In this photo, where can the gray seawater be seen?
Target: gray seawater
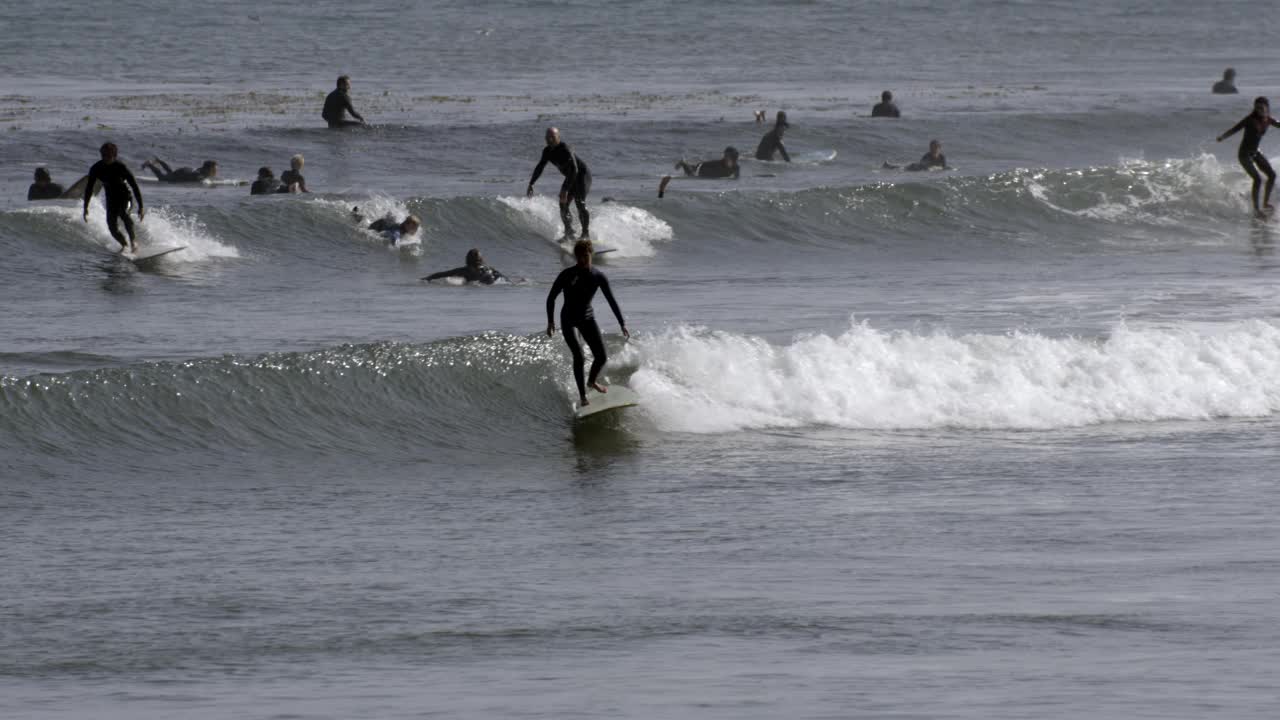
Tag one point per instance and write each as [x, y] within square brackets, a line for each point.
[997, 442]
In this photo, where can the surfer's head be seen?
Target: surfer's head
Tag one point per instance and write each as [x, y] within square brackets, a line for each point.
[1229, 74]
[42, 176]
[553, 136]
[582, 252]
[264, 173]
[344, 82]
[410, 225]
[935, 147]
[731, 156]
[109, 151]
[781, 119]
[296, 162]
[209, 168]
[1261, 106]
[474, 259]
[886, 96]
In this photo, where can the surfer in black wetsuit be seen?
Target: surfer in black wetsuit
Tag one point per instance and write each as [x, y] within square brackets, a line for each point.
[44, 188]
[579, 284]
[885, 108]
[116, 182]
[1255, 125]
[576, 185]
[266, 184]
[726, 167]
[339, 102]
[164, 173]
[475, 271]
[932, 159]
[1227, 85]
[771, 143]
[292, 178]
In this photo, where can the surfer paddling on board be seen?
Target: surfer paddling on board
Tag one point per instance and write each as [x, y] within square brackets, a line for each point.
[476, 270]
[726, 167]
[1255, 125]
[337, 103]
[164, 173]
[116, 181]
[579, 284]
[771, 143]
[576, 185]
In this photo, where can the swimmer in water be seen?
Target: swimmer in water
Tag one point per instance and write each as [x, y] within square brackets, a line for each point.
[393, 234]
[44, 188]
[1255, 125]
[1227, 85]
[116, 182]
[579, 284]
[885, 108]
[475, 271]
[164, 173]
[338, 103]
[771, 144]
[576, 185]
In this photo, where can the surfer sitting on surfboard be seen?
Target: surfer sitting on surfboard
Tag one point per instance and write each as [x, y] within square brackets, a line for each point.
[338, 103]
[164, 173]
[116, 181]
[576, 185]
[44, 188]
[771, 144]
[1255, 125]
[474, 271]
[579, 284]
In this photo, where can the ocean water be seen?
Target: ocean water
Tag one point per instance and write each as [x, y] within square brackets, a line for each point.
[994, 442]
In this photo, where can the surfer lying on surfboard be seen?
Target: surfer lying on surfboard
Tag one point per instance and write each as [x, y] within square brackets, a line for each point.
[475, 271]
[579, 284]
[207, 171]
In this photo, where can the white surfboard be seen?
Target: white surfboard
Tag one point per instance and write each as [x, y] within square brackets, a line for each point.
[617, 398]
[142, 259]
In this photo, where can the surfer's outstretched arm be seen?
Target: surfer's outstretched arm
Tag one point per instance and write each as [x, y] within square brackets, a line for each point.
[556, 287]
[88, 193]
[537, 170]
[613, 304]
[1238, 127]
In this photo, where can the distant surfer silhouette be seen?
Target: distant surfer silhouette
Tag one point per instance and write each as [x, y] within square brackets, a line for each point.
[579, 284]
[885, 108]
[1227, 85]
[771, 144]
[338, 104]
[43, 187]
[1255, 125]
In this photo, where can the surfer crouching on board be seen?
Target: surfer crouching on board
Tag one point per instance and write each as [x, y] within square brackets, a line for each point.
[576, 185]
[579, 284]
[208, 170]
[116, 181]
[1255, 125]
[337, 103]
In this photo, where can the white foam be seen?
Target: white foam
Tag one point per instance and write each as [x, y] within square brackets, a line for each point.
[162, 228]
[631, 231]
[374, 208]
[694, 380]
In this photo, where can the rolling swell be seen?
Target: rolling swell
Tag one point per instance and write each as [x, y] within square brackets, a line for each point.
[361, 399]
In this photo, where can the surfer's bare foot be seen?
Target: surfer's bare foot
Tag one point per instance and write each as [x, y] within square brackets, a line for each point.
[584, 401]
[599, 388]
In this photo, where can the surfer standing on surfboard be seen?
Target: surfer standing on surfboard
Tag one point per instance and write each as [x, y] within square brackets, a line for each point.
[579, 284]
[1255, 125]
[576, 185]
[116, 181]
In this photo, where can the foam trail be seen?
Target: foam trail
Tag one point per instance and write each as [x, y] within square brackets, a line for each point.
[163, 227]
[631, 231]
[703, 381]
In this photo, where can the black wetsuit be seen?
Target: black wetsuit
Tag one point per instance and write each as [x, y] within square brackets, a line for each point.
[482, 274]
[1224, 87]
[710, 169]
[266, 186]
[579, 286]
[770, 145]
[48, 191]
[577, 183]
[290, 177]
[116, 182]
[927, 162]
[1254, 128]
[181, 175]
[885, 109]
[335, 105]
